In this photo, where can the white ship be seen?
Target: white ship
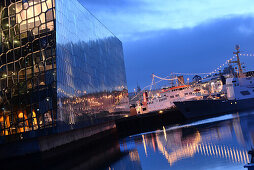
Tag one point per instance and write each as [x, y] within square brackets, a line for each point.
[163, 99]
[166, 98]
[239, 96]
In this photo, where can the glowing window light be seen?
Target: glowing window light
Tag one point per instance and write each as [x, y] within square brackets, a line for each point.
[20, 115]
[34, 119]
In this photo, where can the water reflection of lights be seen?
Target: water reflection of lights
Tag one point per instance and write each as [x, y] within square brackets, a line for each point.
[165, 134]
[207, 149]
[144, 143]
[185, 151]
[134, 156]
[235, 155]
[206, 142]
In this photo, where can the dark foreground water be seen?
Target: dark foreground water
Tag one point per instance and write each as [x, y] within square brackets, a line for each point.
[218, 143]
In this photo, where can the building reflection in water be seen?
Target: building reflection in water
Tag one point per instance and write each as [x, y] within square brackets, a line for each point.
[225, 141]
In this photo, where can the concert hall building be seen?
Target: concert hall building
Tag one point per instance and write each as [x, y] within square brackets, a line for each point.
[60, 69]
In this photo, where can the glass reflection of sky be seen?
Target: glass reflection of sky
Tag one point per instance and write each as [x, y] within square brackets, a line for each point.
[91, 79]
[222, 143]
[78, 27]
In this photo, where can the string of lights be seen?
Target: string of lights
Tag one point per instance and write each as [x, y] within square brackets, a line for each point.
[215, 71]
[189, 74]
[154, 83]
[218, 69]
[247, 55]
[207, 74]
[224, 64]
[164, 78]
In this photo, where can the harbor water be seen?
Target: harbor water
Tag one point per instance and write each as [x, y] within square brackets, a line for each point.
[217, 143]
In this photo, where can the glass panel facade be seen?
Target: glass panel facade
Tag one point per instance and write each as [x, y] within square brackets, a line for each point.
[91, 79]
[27, 66]
[60, 68]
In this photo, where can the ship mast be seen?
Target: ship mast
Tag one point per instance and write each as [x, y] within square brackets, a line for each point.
[240, 70]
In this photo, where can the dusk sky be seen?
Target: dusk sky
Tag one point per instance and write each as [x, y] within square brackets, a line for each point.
[187, 36]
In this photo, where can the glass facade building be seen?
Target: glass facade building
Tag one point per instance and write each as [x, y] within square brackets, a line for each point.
[60, 68]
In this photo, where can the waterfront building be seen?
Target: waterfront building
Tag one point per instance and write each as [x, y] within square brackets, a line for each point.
[60, 69]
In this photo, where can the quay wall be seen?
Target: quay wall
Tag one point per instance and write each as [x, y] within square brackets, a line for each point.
[46, 143]
[121, 128]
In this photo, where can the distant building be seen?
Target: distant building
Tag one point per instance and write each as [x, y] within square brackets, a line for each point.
[60, 68]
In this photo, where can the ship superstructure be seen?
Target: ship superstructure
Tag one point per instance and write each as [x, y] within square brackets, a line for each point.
[162, 99]
[239, 96]
[166, 98]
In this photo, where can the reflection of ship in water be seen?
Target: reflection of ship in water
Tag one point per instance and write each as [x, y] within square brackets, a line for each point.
[225, 140]
[183, 150]
[244, 129]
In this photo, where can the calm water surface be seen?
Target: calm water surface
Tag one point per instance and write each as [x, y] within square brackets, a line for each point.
[218, 143]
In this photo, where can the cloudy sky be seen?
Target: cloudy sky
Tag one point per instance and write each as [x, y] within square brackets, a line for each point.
[187, 36]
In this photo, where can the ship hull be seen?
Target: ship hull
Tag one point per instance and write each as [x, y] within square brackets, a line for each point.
[205, 108]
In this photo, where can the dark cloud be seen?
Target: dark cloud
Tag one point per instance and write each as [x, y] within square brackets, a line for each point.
[200, 49]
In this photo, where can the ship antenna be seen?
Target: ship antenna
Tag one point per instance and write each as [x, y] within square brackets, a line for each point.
[240, 70]
[153, 84]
